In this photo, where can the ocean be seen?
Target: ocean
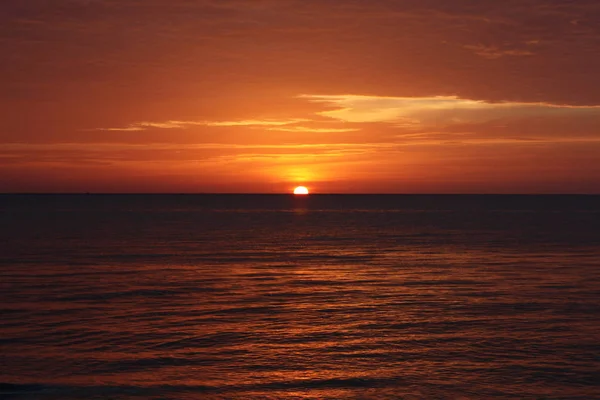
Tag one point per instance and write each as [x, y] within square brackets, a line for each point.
[283, 297]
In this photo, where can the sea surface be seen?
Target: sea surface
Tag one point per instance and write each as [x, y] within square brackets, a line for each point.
[283, 297]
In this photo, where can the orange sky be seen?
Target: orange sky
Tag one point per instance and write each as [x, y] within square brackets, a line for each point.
[356, 96]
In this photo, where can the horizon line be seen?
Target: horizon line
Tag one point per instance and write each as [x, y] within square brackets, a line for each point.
[286, 194]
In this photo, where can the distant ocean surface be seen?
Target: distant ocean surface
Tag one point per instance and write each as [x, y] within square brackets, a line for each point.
[283, 297]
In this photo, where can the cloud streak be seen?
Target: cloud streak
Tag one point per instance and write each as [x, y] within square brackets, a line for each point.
[74, 146]
[313, 130]
[419, 112]
[495, 52]
[142, 126]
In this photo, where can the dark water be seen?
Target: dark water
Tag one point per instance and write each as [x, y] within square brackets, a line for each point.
[276, 297]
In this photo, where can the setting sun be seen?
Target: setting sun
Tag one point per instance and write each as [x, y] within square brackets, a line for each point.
[301, 190]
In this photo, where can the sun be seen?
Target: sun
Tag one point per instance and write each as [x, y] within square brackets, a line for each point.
[301, 190]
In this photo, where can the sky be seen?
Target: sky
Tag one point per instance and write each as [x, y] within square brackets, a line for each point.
[260, 96]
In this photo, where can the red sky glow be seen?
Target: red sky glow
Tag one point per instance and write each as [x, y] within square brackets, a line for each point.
[249, 96]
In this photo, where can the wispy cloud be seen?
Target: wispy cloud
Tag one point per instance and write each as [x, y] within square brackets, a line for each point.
[418, 112]
[313, 130]
[178, 153]
[99, 147]
[494, 52]
[257, 122]
[131, 128]
[141, 126]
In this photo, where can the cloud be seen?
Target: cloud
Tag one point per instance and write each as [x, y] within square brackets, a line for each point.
[494, 52]
[419, 112]
[253, 122]
[110, 147]
[313, 130]
[151, 154]
[132, 128]
[141, 126]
